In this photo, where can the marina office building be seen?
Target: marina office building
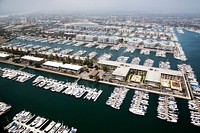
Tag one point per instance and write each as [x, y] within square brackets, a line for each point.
[159, 79]
[63, 67]
[29, 59]
[4, 56]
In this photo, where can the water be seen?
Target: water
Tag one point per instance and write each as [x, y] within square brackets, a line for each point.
[97, 117]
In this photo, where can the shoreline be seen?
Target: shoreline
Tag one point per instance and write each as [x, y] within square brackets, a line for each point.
[92, 80]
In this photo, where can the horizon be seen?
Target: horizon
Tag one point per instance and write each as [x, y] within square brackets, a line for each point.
[142, 6]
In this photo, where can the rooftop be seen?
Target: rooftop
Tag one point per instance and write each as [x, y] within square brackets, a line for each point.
[121, 71]
[61, 65]
[71, 66]
[153, 75]
[52, 64]
[32, 58]
[4, 55]
[151, 70]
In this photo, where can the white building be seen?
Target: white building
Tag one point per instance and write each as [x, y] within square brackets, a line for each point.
[28, 58]
[90, 38]
[4, 56]
[102, 39]
[71, 68]
[121, 72]
[80, 37]
[149, 43]
[113, 40]
[63, 67]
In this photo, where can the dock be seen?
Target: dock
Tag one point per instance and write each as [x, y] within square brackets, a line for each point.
[78, 79]
[20, 69]
[17, 124]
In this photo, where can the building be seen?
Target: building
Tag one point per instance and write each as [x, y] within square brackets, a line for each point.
[151, 76]
[80, 37]
[52, 65]
[4, 56]
[90, 38]
[58, 66]
[102, 39]
[121, 73]
[113, 40]
[31, 59]
[71, 68]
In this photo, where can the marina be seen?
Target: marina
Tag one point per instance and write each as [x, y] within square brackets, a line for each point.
[135, 61]
[129, 49]
[117, 97]
[4, 107]
[161, 53]
[145, 52]
[45, 103]
[164, 65]
[148, 62]
[122, 59]
[16, 75]
[92, 55]
[67, 88]
[105, 57]
[139, 103]
[167, 109]
[116, 48]
[25, 122]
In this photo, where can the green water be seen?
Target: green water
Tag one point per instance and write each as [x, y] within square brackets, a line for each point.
[97, 117]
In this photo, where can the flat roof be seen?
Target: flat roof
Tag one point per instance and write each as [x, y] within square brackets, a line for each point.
[32, 58]
[136, 78]
[61, 65]
[71, 66]
[153, 75]
[121, 71]
[52, 64]
[165, 82]
[176, 85]
[4, 55]
[140, 67]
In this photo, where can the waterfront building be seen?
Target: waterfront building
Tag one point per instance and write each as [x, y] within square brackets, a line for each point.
[121, 72]
[90, 38]
[102, 39]
[31, 59]
[80, 37]
[63, 67]
[113, 40]
[150, 76]
[4, 56]
[52, 65]
[71, 68]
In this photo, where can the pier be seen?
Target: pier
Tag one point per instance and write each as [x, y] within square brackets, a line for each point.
[78, 79]
[20, 69]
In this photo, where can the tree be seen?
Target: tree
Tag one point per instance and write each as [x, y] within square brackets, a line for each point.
[96, 67]
[90, 76]
[110, 79]
[105, 68]
[97, 78]
[37, 64]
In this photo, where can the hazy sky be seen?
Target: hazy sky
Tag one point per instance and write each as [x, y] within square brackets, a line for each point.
[172, 6]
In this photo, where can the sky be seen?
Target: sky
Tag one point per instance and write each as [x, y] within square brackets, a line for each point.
[166, 6]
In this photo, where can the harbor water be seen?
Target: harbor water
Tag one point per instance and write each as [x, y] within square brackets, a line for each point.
[97, 117]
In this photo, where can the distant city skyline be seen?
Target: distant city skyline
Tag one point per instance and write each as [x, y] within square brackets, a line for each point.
[163, 6]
